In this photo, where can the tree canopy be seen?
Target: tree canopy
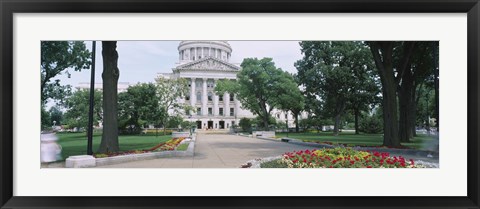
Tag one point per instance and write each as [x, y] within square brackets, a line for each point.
[58, 57]
[337, 75]
[138, 106]
[76, 106]
[261, 86]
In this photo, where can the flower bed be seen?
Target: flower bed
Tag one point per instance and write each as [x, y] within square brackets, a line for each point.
[341, 157]
[166, 146]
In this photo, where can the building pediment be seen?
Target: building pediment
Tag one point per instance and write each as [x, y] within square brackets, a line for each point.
[208, 63]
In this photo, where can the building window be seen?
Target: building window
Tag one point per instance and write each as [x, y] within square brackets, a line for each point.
[199, 111]
[220, 98]
[278, 116]
[210, 96]
[189, 83]
[210, 84]
[199, 96]
[198, 84]
[210, 111]
[220, 111]
[231, 97]
[232, 112]
[187, 98]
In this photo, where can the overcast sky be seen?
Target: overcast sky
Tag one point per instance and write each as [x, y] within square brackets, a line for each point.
[140, 61]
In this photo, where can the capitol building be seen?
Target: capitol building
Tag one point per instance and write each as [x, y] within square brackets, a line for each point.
[203, 64]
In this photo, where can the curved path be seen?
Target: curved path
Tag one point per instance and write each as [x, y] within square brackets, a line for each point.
[219, 151]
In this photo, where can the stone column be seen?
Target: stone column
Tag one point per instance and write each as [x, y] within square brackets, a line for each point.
[237, 108]
[204, 97]
[193, 95]
[226, 102]
[215, 99]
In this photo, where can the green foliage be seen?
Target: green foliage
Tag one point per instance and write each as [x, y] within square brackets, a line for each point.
[168, 91]
[77, 108]
[137, 107]
[58, 57]
[258, 122]
[274, 164]
[371, 124]
[56, 115]
[260, 87]
[46, 120]
[245, 124]
[337, 76]
[174, 121]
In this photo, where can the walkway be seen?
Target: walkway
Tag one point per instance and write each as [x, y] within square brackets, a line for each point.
[218, 151]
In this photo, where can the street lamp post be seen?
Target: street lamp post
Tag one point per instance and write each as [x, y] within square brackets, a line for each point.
[286, 117]
[90, 111]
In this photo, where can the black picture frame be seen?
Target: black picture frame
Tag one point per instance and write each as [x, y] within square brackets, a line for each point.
[10, 7]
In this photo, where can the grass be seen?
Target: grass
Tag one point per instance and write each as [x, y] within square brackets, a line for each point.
[274, 164]
[351, 138]
[76, 143]
[183, 147]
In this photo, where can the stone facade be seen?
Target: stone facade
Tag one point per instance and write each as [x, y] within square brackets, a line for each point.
[203, 64]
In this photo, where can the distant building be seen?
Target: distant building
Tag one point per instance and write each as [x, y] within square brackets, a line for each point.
[121, 87]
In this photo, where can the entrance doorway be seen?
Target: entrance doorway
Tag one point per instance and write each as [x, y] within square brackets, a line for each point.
[210, 124]
[221, 124]
[199, 124]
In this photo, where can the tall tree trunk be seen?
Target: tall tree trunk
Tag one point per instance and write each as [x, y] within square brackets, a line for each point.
[357, 114]
[265, 121]
[390, 119]
[382, 52]
[297, 128]
[337, 124]
[110, 76]
[405, 101]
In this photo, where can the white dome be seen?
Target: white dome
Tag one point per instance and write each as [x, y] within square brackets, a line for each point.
[195, 50]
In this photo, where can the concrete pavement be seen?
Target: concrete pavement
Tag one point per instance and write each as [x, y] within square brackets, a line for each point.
[218, 151]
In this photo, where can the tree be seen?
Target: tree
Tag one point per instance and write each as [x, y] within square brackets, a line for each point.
[337, 75]
[420, 68]
[260, 87]
[391, 72]
[290, 98]
[76, 106]
[169, 90]
[57, 57]
[110, 77]
[245, 124]
[138, 106]
[56, 115]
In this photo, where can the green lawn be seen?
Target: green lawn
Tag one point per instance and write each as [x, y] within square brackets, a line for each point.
[76, 143]
[183, 147]
[351, 138]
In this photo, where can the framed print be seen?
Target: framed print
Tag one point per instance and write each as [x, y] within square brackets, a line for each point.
[266, 104]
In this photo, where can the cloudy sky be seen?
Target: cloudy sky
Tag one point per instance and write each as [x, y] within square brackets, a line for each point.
[140, 61]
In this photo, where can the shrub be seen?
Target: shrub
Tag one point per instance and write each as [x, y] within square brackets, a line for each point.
[245, 124]
[371, 124]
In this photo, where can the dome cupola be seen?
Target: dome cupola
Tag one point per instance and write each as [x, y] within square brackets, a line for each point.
[194, 50]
